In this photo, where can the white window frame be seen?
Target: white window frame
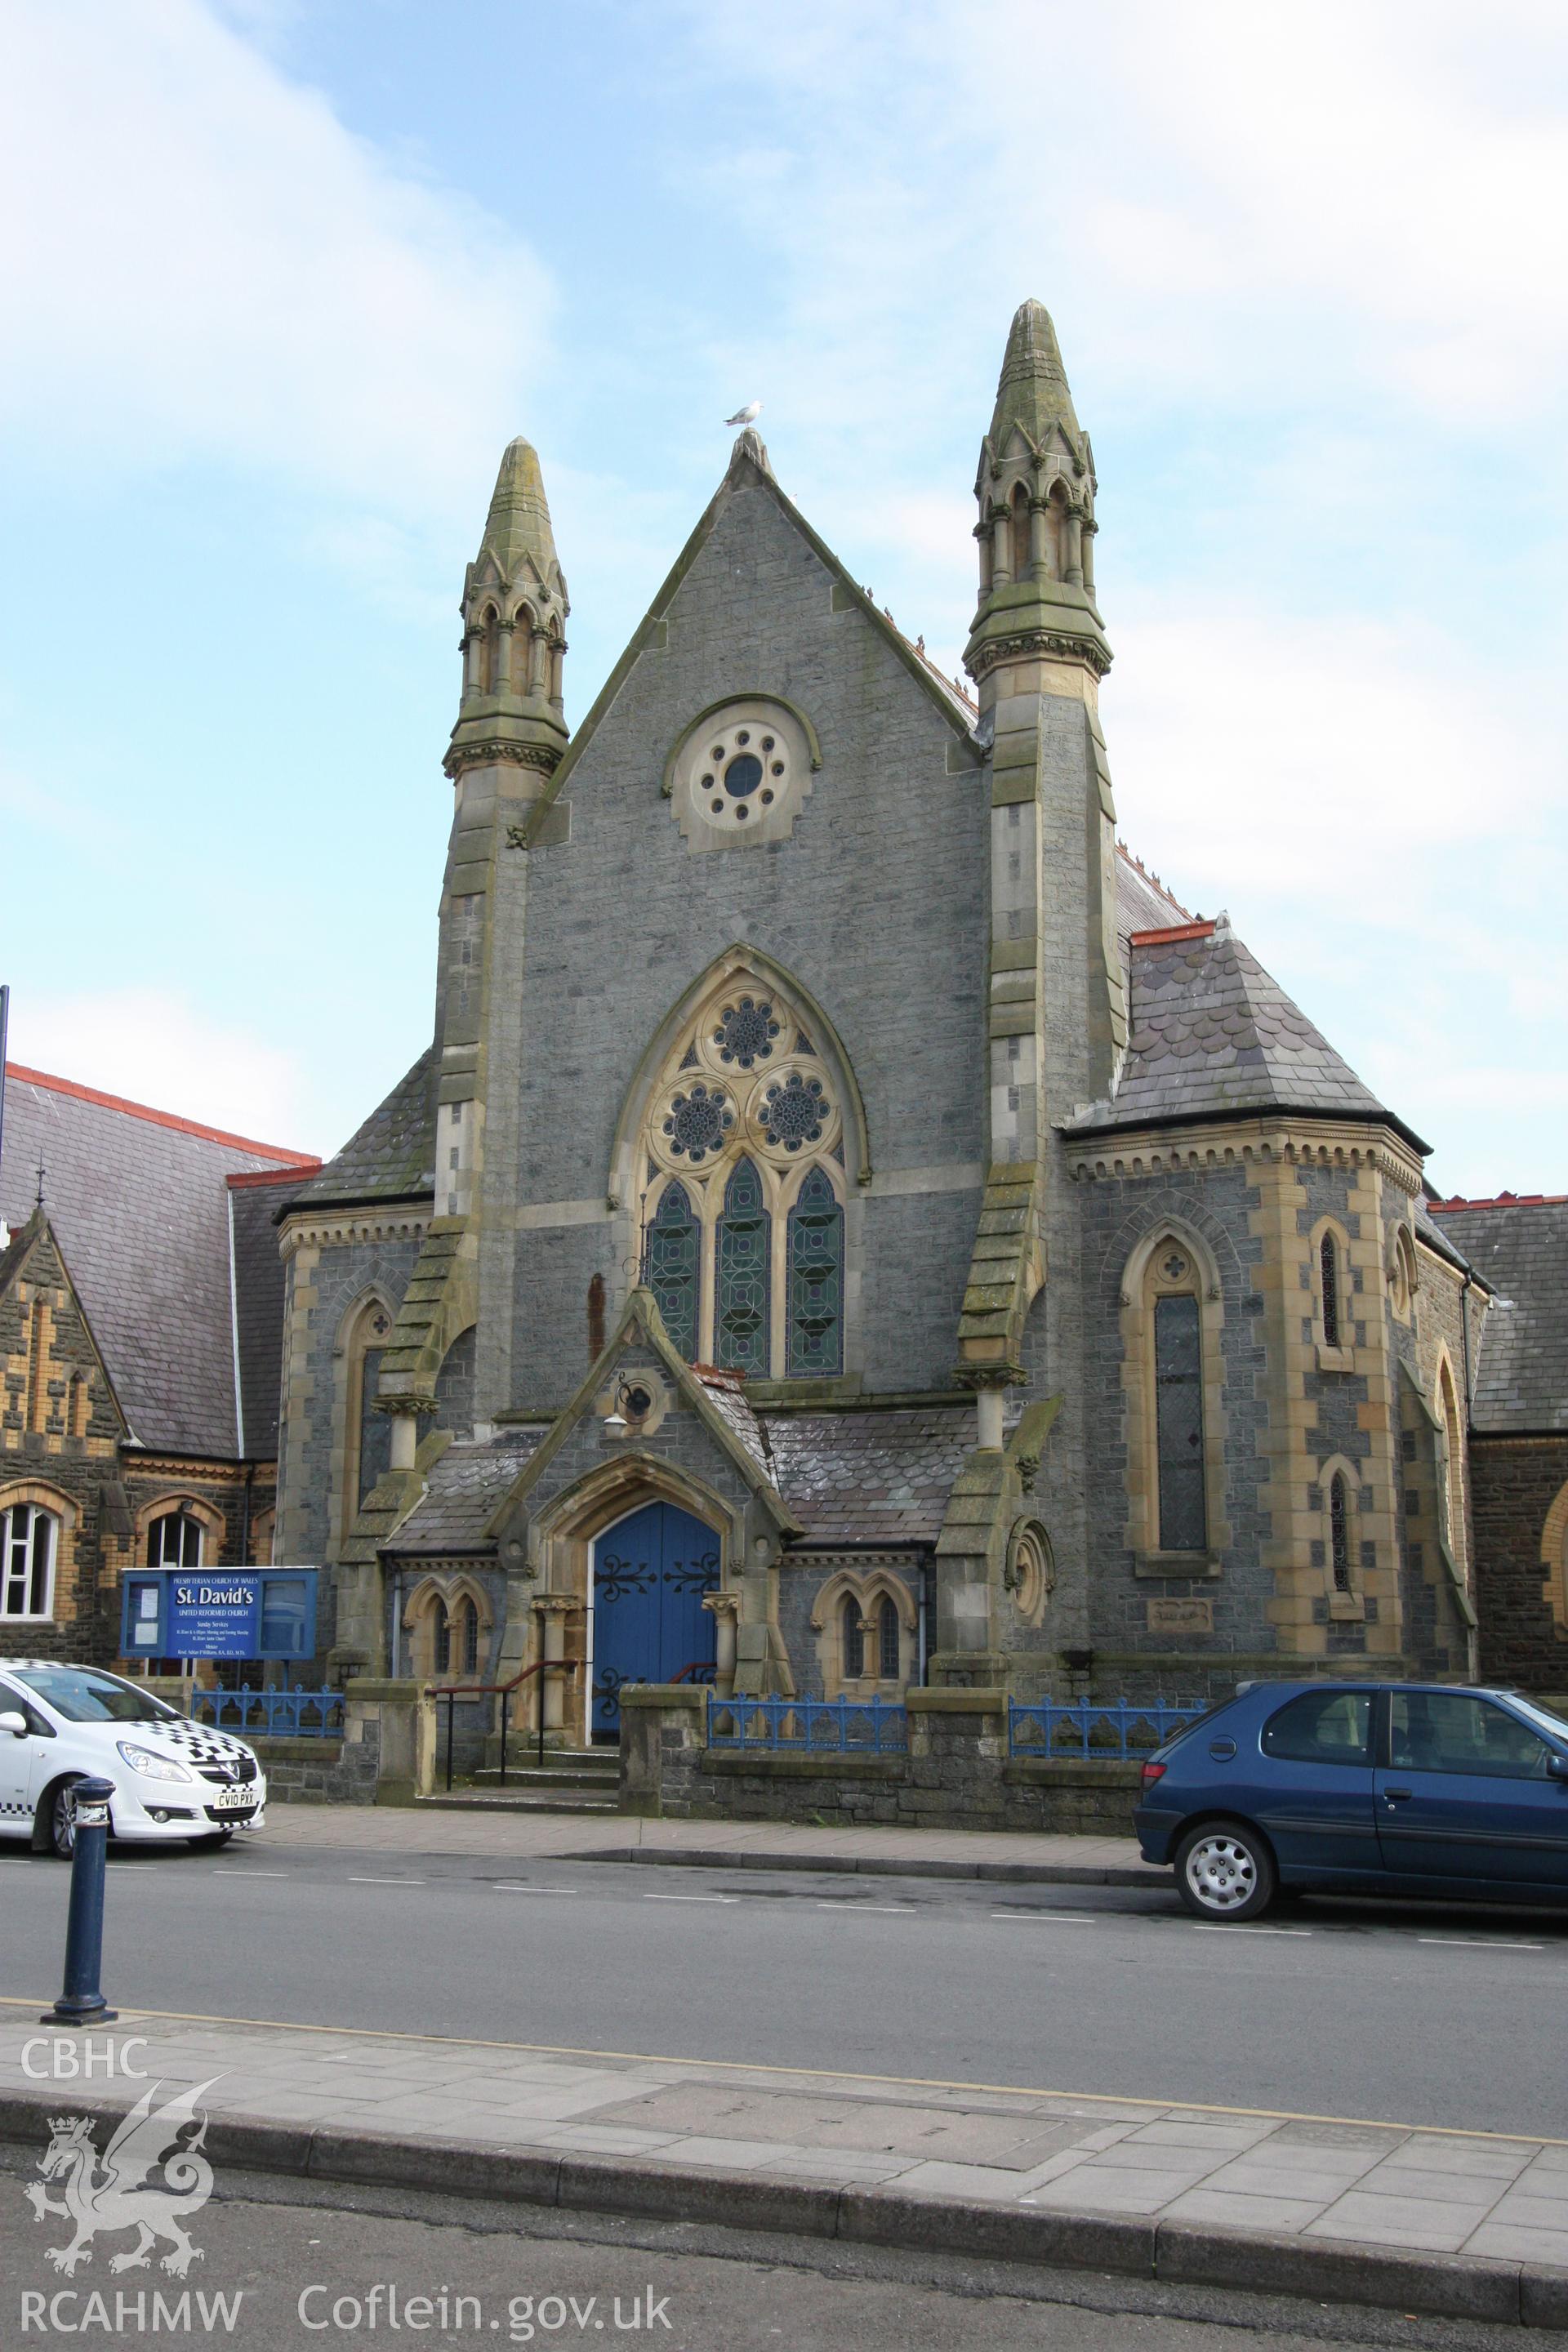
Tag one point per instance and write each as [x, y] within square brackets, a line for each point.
[11, 1577]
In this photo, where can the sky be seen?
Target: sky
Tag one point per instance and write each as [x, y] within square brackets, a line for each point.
[279, 278]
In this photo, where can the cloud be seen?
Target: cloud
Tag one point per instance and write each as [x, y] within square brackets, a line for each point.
[201, 262]
[154, 1045]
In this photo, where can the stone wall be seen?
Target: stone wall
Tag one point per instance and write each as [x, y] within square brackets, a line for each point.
[1514, 1481]
[318, 1772]
[955, 1774]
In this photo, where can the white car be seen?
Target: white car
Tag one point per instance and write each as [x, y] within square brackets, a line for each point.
[173, 1779]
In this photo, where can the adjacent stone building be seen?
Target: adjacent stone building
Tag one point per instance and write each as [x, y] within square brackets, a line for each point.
[851, 1227]
[141, 1304]
[1517, 1247]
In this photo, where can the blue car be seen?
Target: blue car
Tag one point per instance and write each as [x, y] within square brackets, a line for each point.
[1361, 1789]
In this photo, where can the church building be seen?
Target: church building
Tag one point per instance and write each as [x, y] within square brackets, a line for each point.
[850, 1226]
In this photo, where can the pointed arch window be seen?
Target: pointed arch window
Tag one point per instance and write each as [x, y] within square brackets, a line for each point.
[441, 1638]
[1340, 1532]
[854, 1651]
[815, 1279]
[744, 1271]
[673, 1261]
[740, 1168]
[1328, 1285]
[888, 1640]
[469, 1637]
[1179, 1423]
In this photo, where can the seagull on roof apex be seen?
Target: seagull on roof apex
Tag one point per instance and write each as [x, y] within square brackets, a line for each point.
[747, 416]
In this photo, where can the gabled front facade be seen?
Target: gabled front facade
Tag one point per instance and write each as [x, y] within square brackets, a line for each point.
[851, 1225]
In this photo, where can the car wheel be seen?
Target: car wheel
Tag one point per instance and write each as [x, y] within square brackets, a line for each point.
[57, 1818]
[1225, 1870]
[213, 1843]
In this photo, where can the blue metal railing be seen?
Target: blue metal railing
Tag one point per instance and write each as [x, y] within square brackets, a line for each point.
[298, 1713]
[818, 1726]
[1090, 1727]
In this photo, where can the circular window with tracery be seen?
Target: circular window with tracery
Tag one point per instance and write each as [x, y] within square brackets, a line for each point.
[740, 773]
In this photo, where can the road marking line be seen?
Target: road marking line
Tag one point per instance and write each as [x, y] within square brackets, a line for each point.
[42, 2001]
[1234, 1927]
[385, 1882]
[1482, 1942]
[691, 1898]
[514, 1886]
[227, 1870]
[824, 1904]
[1053, 1918]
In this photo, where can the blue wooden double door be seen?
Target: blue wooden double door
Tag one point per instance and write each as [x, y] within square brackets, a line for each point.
[650, 1572]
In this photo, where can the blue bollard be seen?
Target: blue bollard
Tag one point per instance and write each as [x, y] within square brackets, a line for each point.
[81, 2001]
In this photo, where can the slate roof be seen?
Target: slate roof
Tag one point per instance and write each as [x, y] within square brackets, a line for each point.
[728, 1397]
[1213, 1034]
[461, 1491]
[1520, 1247]
[258, 1306]
[870, 1477]
[138, 1203]
[393, 1156]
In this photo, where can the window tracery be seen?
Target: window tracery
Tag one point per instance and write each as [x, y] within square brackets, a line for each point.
[743, 1208]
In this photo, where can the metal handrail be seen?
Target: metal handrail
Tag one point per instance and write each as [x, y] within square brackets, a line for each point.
[697, 1666]
[453, 1692]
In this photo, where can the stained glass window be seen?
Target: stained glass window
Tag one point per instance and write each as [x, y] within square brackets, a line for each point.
[671, 1274]
[1328, 1263]
[815, 1279]
[441, 1627]
[743, 1269]
[888, 1640]
[854, 1640]
[1340, 1532]
[1179, 1424]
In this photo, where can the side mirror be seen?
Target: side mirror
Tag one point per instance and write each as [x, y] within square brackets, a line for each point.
[1556, 1766]
[17, 1725]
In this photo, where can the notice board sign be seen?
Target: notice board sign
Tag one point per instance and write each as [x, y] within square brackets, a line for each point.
[214, 1616]
[219, 1612]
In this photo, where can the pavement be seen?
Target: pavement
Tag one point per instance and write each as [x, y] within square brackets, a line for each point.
[1468, 2224]
[487, 1829]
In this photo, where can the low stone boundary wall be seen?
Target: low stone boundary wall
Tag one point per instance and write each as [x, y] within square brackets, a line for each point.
[956, 1773]
[385, 1752]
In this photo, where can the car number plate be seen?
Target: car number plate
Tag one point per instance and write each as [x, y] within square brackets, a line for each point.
[234, 1800]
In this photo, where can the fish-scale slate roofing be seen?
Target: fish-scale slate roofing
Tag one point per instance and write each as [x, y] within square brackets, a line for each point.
[461, 1490]
[139, 1205]
[870, 1477]
[1519, 1248]
[1212, 1034]
[393, 1156]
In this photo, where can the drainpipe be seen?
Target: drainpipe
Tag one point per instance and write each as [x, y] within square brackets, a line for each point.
[927, 1597]
[1465, 1337]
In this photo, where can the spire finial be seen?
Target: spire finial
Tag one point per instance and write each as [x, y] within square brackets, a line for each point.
[517, 527]
[1032, 390]
[39, 1202]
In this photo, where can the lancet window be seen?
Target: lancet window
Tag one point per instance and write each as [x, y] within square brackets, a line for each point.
[742, 1184]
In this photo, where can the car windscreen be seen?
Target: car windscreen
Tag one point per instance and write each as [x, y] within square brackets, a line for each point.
[1543, 1718]
[83, 1695]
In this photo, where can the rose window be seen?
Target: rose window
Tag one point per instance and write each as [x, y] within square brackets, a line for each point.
[745, 1033]
[697, 1123]
[793, 1112]
[742, 773]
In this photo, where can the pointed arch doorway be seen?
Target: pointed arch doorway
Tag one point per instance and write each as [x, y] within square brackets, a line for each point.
[650, 1571]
